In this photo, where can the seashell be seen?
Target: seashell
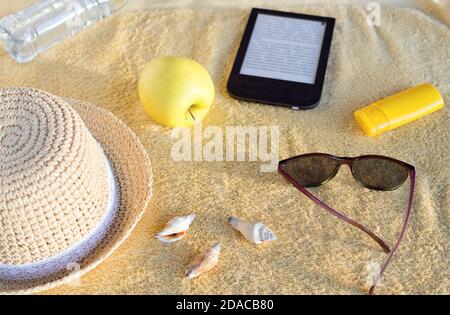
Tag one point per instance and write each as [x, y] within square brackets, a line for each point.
[255, 232]
[175, 229]
[203, 262]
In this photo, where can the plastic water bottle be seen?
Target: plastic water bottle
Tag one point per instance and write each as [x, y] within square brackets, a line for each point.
[29, 32]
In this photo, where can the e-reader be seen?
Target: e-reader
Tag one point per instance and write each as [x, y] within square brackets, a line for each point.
[282, 59]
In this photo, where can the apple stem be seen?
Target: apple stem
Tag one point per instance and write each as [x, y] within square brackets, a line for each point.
[191, 114]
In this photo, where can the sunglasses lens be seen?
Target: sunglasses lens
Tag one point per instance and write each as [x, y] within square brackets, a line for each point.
[311, 171]
[379, 173]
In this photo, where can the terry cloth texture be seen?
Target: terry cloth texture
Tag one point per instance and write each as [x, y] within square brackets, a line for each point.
[315, 252]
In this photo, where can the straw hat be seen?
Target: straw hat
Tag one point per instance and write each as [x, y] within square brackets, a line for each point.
[74, 181]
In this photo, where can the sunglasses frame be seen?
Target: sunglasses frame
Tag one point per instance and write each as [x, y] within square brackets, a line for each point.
[349, 161]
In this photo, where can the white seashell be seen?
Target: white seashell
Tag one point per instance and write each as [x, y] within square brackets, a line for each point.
[255, 232]
[203, 262]
[175, 229]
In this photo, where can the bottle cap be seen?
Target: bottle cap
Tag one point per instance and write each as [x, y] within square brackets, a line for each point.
[372, 120]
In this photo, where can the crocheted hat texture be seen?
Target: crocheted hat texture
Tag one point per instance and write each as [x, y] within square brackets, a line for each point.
[53, 176]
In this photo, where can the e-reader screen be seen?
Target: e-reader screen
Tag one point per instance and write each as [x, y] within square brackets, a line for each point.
[284, 48]
[282, 59]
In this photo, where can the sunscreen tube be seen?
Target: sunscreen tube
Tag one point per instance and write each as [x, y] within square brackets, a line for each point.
[399, 109]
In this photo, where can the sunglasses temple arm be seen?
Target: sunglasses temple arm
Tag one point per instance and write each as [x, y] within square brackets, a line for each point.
[412, 176]
[343, 217]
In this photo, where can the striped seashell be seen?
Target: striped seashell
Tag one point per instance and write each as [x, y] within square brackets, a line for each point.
[255, 232]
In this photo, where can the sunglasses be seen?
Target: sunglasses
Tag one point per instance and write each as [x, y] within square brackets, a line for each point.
[370, 171]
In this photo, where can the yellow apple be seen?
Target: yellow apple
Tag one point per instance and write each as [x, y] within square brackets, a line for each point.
[176, 91]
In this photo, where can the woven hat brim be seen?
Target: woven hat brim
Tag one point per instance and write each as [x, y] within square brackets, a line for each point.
[133, 175]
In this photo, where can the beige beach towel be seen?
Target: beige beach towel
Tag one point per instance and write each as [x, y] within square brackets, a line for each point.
[315, 253]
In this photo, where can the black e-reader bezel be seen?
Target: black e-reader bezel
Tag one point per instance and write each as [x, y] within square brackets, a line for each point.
[274, 91]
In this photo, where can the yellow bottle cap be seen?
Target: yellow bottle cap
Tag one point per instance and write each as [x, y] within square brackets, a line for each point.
[372, 120]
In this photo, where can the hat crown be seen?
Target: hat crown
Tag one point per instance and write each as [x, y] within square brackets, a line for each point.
[53, 175]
